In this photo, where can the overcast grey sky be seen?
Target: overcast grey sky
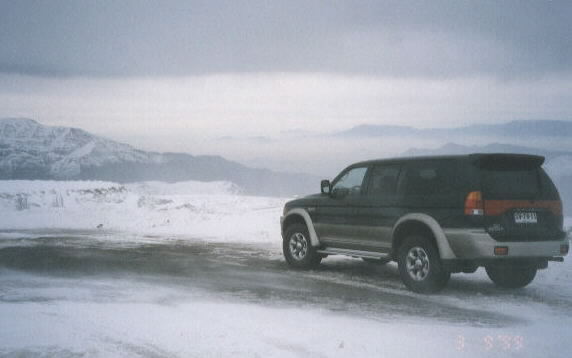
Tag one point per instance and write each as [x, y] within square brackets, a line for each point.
[393, 38]
[178, 75]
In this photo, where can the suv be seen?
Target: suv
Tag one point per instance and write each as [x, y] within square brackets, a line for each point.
[434, 216]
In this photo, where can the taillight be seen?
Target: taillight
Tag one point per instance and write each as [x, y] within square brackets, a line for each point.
[501, 250]
[474, 203]
[499, 207]
[557, 207]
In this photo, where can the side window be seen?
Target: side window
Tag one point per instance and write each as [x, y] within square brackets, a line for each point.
[431, 181]
[351, 181]
[383, 182]
[422, 181]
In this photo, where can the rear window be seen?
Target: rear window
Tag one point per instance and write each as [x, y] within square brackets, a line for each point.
[518, 184]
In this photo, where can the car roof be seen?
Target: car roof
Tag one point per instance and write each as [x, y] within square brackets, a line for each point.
[473, 157]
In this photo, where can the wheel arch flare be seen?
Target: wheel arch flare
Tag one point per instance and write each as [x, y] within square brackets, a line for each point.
[302, 216]
[419, 223]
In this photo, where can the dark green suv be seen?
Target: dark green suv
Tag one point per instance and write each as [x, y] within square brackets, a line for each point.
[434, 216]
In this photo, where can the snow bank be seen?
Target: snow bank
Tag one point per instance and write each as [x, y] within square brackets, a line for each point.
[214, 210]
[186, 188]
[39, 186]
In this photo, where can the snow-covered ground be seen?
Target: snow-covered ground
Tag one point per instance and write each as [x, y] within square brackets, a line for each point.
[73, 318]
[206, 210]
[56, 312]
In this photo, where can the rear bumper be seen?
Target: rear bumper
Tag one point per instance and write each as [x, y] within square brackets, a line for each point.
[476, 244]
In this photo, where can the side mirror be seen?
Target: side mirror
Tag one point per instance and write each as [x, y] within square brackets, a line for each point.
[326, 187]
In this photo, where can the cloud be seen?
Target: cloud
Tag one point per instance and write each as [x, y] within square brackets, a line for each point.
[176, 114]
[444, 39]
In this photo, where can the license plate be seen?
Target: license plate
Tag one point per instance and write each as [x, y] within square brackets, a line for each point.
[525, 218]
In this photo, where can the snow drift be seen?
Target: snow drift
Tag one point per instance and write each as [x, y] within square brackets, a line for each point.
[206, 210]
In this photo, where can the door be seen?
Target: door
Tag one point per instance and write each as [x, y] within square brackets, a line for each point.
[337, 216]
[380, 209]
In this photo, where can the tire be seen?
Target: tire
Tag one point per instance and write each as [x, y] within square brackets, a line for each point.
[376, 261]
[297, 248]
[506, 276]
[420, 266]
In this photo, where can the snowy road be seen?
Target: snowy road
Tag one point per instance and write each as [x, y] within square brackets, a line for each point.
[78, 293]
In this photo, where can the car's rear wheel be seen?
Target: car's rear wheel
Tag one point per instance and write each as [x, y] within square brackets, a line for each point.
[420, 265]
[298, 249]
[506, 276]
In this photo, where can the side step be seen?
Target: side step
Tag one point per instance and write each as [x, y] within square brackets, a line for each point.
[353, 253]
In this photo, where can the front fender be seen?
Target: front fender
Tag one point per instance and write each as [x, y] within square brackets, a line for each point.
[309, 224]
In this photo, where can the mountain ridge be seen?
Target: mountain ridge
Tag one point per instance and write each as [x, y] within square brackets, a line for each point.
[30, 150]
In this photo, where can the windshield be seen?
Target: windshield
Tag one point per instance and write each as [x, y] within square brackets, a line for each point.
[351, 180]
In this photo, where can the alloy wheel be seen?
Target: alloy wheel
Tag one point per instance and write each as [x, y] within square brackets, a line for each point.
[417, 263]
[298, 246]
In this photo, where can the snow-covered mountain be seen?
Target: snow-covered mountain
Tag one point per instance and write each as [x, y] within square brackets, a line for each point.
[30, 150]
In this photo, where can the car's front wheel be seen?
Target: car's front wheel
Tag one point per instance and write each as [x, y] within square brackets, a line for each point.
[420, 265]
[298, 249]
[506, 276]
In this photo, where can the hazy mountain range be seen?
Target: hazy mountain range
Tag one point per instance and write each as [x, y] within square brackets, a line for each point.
[325, 152]
[29, 150]
[518, 128]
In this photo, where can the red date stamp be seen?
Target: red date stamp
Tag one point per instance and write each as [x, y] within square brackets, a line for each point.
[488, 343]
